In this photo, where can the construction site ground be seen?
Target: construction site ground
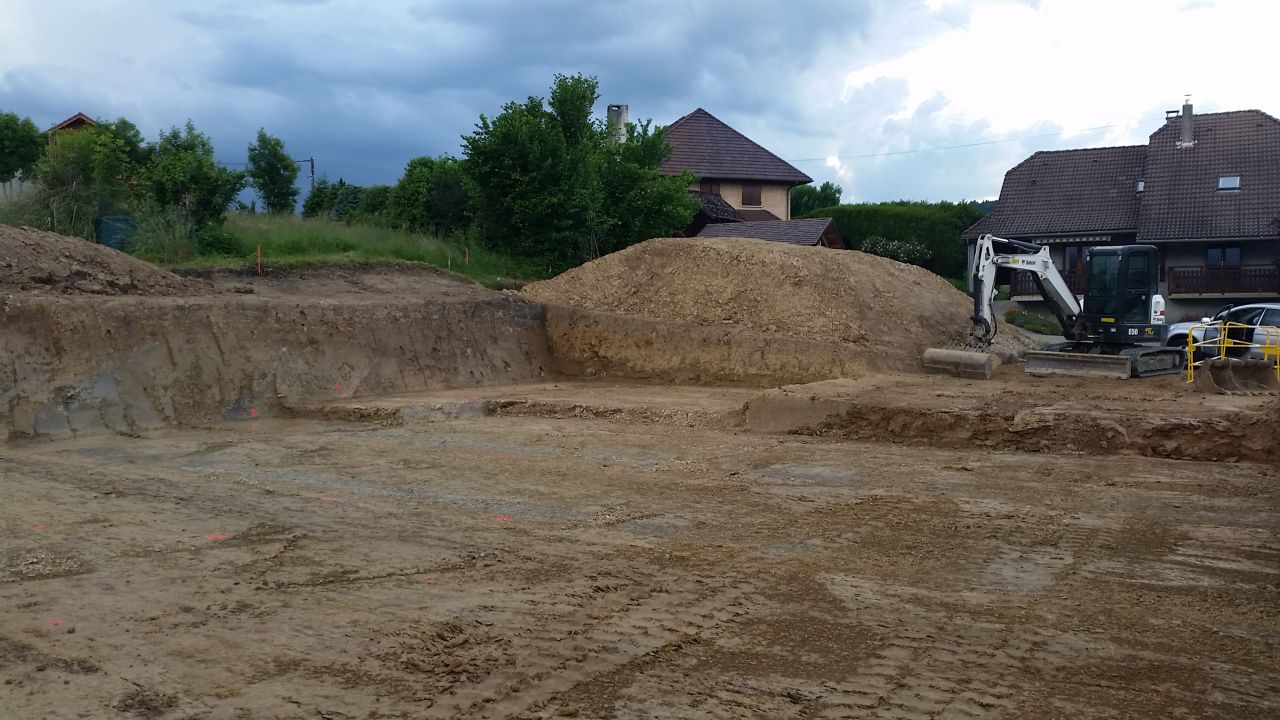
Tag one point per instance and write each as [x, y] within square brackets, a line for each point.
[601, 549]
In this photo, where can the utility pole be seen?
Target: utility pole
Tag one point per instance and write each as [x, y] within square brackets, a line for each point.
[312, 162]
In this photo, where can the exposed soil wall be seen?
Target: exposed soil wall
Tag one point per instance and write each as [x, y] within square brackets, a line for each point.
[80, 364]
[598, 344]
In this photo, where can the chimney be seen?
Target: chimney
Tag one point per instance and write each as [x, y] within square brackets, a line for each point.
[618, 121]
[1188, 126]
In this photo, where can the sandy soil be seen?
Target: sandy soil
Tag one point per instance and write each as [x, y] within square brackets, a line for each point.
[881, 308]
[525, 566]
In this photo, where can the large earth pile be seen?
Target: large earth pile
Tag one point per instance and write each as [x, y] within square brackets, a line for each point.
[36, 261]
[888, 307]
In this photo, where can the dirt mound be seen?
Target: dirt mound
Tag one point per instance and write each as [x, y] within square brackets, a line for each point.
[890, 309]
[36, 261]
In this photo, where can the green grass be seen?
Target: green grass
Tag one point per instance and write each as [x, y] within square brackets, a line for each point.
[289, 241]
[1033, 322]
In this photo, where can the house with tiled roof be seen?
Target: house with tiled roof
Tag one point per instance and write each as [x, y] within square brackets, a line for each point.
[754, 182]
[812, 232]
[1205, 190]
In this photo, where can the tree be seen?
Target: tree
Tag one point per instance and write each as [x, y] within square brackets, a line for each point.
[320, 200]
[807, 198]
[183, 175]
[547, 181]
[431, 197]
[82, 174]
[273, 174]
[20, 145]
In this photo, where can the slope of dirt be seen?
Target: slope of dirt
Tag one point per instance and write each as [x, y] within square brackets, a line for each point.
[36, 261]
[889, 309]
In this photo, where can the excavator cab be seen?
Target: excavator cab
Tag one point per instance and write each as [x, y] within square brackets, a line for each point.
[1120, 289]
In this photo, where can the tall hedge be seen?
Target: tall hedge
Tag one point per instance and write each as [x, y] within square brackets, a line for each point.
[935, 226]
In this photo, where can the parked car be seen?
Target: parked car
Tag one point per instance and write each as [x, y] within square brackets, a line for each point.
[1263, 319]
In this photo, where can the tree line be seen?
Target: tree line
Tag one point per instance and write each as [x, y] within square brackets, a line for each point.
[542, 180]
[172, 184]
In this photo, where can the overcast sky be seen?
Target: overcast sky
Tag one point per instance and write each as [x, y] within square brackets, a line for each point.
[365, 86]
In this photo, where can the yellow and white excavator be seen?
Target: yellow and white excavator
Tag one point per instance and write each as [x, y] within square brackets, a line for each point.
[1117, 329]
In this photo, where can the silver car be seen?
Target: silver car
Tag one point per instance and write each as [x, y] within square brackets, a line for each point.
[1263, 319]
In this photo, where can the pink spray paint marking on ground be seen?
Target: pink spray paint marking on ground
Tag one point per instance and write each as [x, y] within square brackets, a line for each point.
[41, 526]
[428, 581]
[337, 388]
[54, 623]
[325, 498]
[216, 536]
[504, 518]
[253, 412]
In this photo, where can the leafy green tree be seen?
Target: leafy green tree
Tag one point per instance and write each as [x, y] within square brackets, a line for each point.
[20, 145]
[548, 183]
[273, 174]
[374, 202]
[638, 203]
[82, 175]
[319, 201]
[807, 198]
[183, 175]
[431, 197]
[131, 138]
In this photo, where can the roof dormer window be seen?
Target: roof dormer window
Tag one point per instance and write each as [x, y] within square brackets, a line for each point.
[1228, 182]
[1142, 185]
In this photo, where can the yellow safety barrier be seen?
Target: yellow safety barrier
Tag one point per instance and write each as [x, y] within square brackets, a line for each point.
[1221, 372]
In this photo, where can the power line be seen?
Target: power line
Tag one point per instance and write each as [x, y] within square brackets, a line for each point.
[954, 147]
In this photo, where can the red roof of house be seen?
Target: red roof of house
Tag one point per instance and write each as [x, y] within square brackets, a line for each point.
[712, 150]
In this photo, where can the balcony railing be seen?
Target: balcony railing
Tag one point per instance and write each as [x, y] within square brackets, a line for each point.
[1225, 281]
[1024, 283]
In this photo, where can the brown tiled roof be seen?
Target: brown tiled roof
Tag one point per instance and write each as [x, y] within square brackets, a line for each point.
[711, 150]
[1068, 192]
[796, 232]
[757, 215]
[1182, 200]
[715, 207]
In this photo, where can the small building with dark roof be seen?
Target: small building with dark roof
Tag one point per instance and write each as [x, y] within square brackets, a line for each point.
[810, 231]
[752, 180]
[1205, 190]
[75, 122]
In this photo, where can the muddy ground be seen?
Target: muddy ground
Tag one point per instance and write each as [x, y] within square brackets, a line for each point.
[663, 560]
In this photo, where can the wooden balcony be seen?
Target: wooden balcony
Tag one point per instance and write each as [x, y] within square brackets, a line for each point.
[1247, 281]
[1023, 286]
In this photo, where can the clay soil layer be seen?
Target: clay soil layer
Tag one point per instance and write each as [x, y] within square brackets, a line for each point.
[634, 566]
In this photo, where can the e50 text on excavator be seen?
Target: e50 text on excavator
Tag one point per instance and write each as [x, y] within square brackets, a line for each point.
[1116, 330]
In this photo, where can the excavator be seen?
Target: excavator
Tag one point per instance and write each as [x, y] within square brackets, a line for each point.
[1116, 330]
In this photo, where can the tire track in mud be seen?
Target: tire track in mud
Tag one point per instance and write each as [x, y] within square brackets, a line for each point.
[558, 653]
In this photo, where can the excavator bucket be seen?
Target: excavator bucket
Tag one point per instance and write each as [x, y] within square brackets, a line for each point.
[1257, 376]
[1049, 362]
[1214, 377]
[1232, 376]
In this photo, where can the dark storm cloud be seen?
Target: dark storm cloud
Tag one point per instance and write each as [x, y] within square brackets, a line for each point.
[365, 87]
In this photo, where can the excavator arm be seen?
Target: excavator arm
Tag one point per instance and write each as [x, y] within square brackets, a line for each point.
[991, 253]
